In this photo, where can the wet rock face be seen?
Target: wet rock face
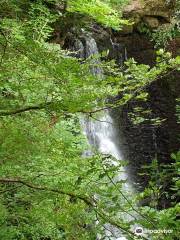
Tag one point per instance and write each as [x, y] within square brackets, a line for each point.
[144, 142]
[140, 144]
[138, 47]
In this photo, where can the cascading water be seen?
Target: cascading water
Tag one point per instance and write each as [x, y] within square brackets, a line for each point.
[101, 135]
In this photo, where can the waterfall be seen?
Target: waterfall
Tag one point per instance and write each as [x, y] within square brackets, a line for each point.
[101, 132]
[101, 135]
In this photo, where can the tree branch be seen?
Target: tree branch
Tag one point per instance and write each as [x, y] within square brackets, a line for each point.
[86, 199]
[24, 109]
[36, 187]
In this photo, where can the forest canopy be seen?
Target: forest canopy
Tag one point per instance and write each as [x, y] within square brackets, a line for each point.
[47, 185]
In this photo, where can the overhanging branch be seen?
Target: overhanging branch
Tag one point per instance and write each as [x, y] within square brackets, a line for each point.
[24, 109]
[86, 199]
[43, 188]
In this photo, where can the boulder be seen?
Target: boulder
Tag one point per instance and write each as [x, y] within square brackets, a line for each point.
[153, 10]
[151, 22]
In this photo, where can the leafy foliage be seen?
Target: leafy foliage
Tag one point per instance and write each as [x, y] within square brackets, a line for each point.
[165, 33]
[101, 11]
[157, 188]
[48, 189]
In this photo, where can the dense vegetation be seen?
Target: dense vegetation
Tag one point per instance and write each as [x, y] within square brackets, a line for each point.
[48, 189]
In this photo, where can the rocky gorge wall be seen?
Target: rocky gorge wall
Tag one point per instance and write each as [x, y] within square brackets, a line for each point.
[143, 142]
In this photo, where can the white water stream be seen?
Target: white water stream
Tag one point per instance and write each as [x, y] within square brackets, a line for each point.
[101, 135]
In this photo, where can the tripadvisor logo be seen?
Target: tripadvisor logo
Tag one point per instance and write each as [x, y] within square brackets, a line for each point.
[138, 231]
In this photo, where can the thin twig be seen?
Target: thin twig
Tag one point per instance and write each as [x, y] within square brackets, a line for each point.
[134, 209]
